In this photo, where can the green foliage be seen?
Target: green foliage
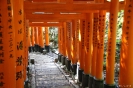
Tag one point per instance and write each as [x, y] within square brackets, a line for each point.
[53, 34]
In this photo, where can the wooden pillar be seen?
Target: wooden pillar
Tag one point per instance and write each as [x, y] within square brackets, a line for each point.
[99, 61]
[29, 40]
[40, 37]
[94, 52]
[68, 45]
[36, 38]
[64, 38]
[19, 33]
[59, 45]
[88, 49]
[73, 45]
[82, 29]
[110, 60]
[32, 38]
[88, 43]
[7, 45]
[126, 56]
[61, 51]
[25, 39]
[47, 38]
[98, 81]
[69, 39]
[29, 37]
[94, 56]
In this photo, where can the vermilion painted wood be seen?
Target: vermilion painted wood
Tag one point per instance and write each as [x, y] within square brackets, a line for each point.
[56, 0]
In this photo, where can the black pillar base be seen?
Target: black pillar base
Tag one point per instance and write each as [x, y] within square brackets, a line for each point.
[47, 47]
[74, 69]
[33, 49]
[109, 86]
[30, 49]
[90, 81]
[36, 47]
[63, 60]
[80, 71]
[68, 64]
[85, 80]
[59, 57]
[98, 83]
[39, 48]
[42, 50]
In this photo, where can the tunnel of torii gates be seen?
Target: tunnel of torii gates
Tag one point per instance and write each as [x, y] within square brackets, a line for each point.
[81, 26]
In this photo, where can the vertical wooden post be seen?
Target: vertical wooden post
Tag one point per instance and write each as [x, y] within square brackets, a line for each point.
[94, 54]
[29, 39]
[88, 43]
[59, 39]
[99, 62]
[82, 29]
[126, 57]
[110, 60]
[68, 43]
[73, 37]
[73, 47]
[7, 45]
[19, 33]
[81, 49]
[32, 38]
[47, 38]
[77, 40]
[25, 39]
[40, 37]
[47, 35]
[63, 38]
[36, 38]
[69, 39]
[59, 44]
[98, 81]
[88, 48]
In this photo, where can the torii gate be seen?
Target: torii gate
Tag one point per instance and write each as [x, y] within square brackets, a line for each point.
[92, 22]
[87, 8]
[86, 11]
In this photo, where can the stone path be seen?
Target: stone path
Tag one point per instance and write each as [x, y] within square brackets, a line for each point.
[45, 73]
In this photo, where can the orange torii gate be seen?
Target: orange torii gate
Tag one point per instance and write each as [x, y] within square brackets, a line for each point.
[98, 9]
[91, 20]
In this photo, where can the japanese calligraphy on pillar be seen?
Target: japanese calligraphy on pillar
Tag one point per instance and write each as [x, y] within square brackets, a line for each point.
[127, 23]
[10, 27]
[95, 28]
[68, 37]
[77, 39]
[88, 36]
[19, 28]
[73, 37]
[83, 35]
[1, 52]
[101, 29]
[77, 30]
[126, 47]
